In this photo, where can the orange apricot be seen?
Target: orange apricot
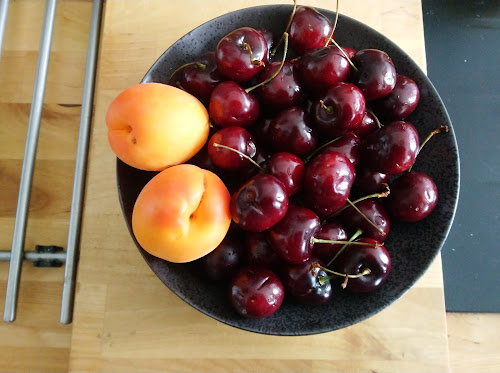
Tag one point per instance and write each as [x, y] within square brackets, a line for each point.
[152, 126]
[182, 213]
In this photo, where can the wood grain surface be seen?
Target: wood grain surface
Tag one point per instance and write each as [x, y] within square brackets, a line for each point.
[125, 319]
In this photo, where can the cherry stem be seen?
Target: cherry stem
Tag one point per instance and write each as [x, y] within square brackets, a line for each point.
[374, 195]
[442, 128]
[317, 150]
[329, 109]
[379, 125]
[199, 64]
[345, 55]
[340, 242]
[239, 153]
[353, 237]
[330, 37]
[248, 90]
[248, 48]
[273, 52]
[365, 217]
[323, 279]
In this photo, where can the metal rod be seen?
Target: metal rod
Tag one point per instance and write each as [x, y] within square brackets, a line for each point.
[4, 9]
[28, 164]
[32, 256]
[72, 248]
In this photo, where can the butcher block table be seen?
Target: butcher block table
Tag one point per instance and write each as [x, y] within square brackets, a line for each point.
[125, 319]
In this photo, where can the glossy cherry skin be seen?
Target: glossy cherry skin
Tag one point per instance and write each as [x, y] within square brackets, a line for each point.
[256, 292]
[236, 138]
[367, 125]
[328, 182]
[329, 231]
[259, 203]
[369, 182]
[373, 210]
[309, 30]
[225, 260]
[233, 56]
[290, 132]
[270, 40]
[348, 145]
[291, 237]
[231, 105]
[376, 75]
[401, 102]
[289, 169]
[356, 258]
[413, 196]
[284, 90]
[391, 149]
[260, 252]
[322, 68]
[201, 78]
[302, 282]
[340, 110]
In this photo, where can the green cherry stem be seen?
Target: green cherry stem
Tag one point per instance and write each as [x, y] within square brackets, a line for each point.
[340, 242]
[248, 90]
[330, 37]
[353, 237]
[323, 279]
[440, 129]
[374, 195]
[273, 52]
[199, 64]
[365, 217]
[320, 148]
[345, 55]
[379, 125]
[239, 153]
[248, 48]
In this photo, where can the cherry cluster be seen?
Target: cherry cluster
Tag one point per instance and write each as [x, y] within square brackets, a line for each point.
[317, 155]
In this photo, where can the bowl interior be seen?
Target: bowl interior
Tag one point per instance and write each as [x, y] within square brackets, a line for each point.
[412, 246]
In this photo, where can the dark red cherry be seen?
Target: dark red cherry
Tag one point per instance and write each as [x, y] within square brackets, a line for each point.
[348, 145]
[236, 138]
[225, 260]
[373, 210]
[367, 125]
[259, 203]
[260, 131]
[333, 232]
[340, 110]
[270, 40]
[322, 68]
[231, 105]
[290, 132]
[302, 281]
[289, 169]
[391, 149]
[413, 196]
[327, 182]
[376, 75]
[369, 182]
[256, 292]
[356, 259]
[284, 90]
[260, 252]
[309, 30]
[401, 102]
[292, 237]
[241, 54]
[201, 78]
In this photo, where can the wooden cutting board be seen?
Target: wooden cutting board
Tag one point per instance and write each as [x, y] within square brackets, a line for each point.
[127, 320]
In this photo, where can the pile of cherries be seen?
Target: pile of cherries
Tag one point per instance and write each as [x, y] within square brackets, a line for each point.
[314, 175]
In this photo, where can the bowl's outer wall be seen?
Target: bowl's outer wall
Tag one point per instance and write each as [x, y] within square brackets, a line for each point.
[412, 246]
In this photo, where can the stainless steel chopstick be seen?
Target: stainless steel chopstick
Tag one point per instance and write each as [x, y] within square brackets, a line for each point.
[72, 248]
[4, 9]
[17, 251]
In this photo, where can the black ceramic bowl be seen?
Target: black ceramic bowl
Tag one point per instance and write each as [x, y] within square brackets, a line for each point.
[412, 246]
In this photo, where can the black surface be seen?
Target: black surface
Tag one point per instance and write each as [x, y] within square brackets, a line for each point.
[463, 57]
